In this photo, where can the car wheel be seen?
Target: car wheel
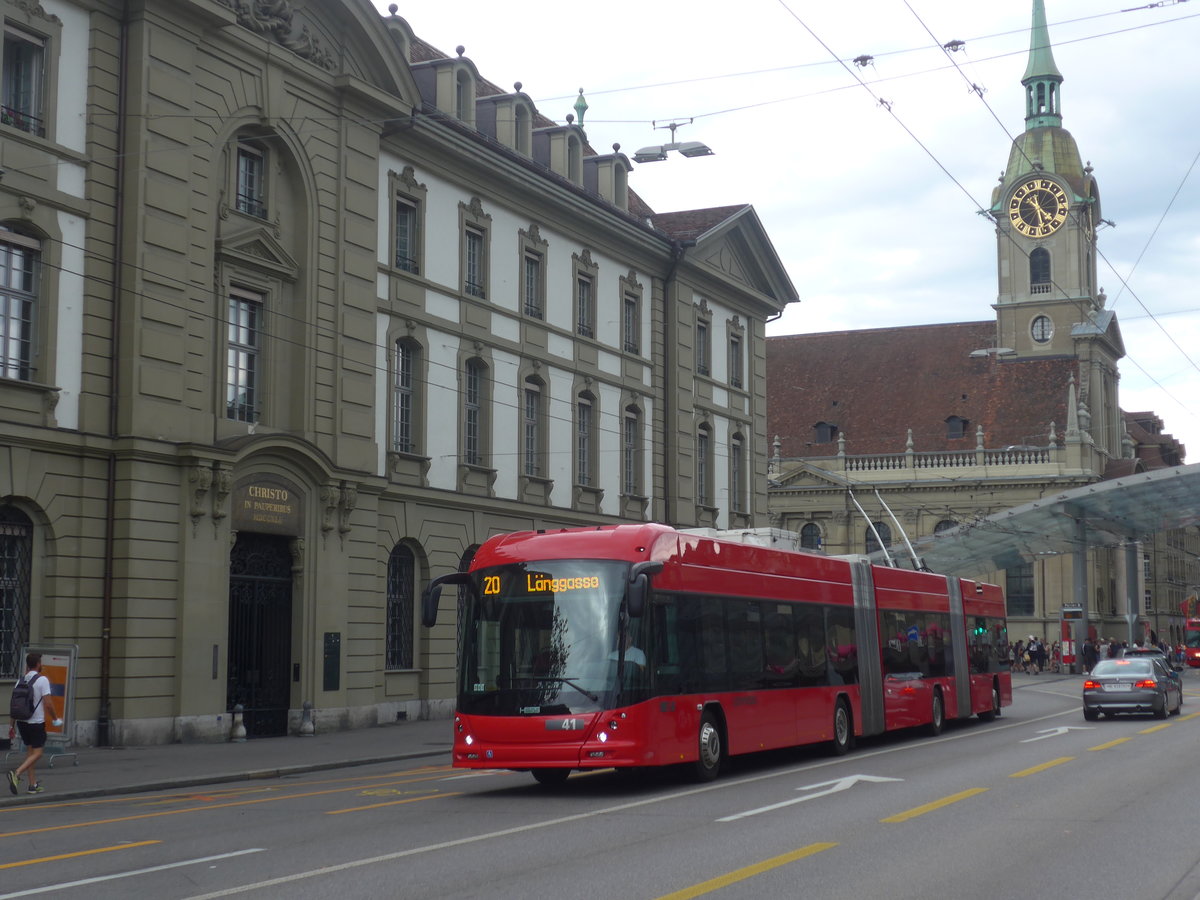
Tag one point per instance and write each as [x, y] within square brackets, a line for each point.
[1091, 714]
[1161, 712]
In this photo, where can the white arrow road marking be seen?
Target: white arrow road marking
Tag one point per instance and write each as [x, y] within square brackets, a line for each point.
[831, 787]
[1055, 732]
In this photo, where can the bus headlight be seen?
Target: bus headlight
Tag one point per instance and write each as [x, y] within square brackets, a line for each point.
[602, 736]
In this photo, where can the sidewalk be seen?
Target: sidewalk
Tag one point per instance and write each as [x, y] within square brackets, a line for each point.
[117, 770]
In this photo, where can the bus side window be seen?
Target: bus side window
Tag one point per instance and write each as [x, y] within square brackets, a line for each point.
[666, 647]
[842, 645]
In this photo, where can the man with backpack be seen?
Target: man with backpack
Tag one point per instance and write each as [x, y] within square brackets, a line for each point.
[30, 699]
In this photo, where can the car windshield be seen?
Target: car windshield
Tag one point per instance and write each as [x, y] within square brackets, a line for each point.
[1123, 667]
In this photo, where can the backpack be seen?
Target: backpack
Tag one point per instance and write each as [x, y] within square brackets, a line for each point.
[21, 706]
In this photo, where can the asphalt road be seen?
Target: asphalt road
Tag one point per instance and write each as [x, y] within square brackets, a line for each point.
[1037, 797]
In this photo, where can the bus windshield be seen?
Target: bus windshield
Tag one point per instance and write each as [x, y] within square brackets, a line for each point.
[546, 638]
[1191, 637]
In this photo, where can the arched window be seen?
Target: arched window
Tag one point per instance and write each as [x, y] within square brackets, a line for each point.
[885, 535]
[401, 587]
[1039, 271]
[16, 561]
[810, 537]
[944, 525]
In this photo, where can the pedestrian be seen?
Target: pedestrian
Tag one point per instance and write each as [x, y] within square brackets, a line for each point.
[33, 729]
[1089, 656]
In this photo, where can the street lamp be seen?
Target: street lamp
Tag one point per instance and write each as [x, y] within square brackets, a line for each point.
[658, 152]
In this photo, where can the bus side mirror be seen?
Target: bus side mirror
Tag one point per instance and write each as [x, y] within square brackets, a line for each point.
[433, 593]
[639, 586]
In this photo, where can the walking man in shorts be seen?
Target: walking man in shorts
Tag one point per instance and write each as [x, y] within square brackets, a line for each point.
[33, 730]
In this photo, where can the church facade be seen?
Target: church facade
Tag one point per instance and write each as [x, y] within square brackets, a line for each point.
[986, 415]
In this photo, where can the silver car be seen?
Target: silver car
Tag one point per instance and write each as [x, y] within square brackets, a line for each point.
[1135, 684]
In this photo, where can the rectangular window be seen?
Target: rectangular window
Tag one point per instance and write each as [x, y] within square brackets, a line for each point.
[402, 398]
[251, 181]
[630, 441]
[735, 361]
[702, 348]
[473, 415]
[1148, 602]
[19, 257]
[1146, 566]
[583, 442]
[406, 236]
[631, 321]
[533, 285]
[737, 498]
[702, 451]
[474, 276]
[24, 79]
[243, 360]
[1018, 585]
[533, 425]
[585, 314]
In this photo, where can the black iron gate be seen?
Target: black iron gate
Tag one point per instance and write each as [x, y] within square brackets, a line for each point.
[260, 632]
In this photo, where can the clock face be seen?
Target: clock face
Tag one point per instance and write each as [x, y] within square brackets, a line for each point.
[1038, 208]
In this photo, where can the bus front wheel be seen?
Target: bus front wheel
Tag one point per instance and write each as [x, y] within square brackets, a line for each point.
[937, 715]
[550, 776]
[708, 763]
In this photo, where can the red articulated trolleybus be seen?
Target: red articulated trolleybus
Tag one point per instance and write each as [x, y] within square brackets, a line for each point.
[632, 646]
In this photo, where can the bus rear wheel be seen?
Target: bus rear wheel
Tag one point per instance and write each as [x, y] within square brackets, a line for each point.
[988, 714]
[843, 730]
[708, 763]
[550, 776]
[937, 715]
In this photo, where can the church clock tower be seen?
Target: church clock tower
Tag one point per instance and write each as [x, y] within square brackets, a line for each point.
[1046, 208]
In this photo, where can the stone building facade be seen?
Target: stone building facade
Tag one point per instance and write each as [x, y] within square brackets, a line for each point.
[299, 311]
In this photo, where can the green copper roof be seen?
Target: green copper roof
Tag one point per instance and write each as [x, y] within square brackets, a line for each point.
[1041, 57]
[1042, 78]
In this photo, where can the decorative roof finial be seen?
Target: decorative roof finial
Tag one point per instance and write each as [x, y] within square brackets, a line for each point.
[581, 106]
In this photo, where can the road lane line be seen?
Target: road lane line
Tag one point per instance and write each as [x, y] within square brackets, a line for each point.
[1154, 728]
[61, 856]
[190, 809]
[721, 881]
[936, 804]
[338, 812]
[1043, 767]
[1110, 744]
[101, 878]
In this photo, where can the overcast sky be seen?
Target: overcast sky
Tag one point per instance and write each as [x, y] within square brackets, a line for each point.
[874, 213]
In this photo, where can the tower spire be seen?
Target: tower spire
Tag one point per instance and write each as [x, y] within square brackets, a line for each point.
[1042, 78]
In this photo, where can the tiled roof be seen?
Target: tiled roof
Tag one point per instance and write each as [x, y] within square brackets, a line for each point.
[691, 223]
[875, 384]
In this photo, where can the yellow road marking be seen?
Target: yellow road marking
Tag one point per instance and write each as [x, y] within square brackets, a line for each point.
[338, 812]
[721, 881]
[1189, 716]
[936, 804]
[1154, 728]
[187, 809]
[1042, 768]
[1110, 744]
[44, 859]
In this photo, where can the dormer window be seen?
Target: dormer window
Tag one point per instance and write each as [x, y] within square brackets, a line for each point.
[956, 427]
[824, 433]
[575, 159]
[524, 129]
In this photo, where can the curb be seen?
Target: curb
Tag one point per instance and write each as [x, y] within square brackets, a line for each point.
[216, 778]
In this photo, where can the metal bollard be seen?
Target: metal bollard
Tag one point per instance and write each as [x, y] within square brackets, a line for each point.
[307, 726]
[239, 727]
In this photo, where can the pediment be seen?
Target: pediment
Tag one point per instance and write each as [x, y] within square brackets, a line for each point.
[806, 475]
[729, 257]
[258, 248]
[740, 250]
